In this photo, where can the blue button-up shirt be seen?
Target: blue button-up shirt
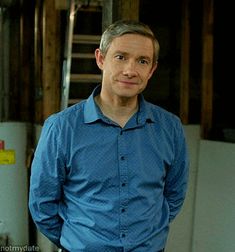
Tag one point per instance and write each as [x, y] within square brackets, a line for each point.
[98, 187]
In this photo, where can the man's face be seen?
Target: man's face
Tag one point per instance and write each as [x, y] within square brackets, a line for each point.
[127, 65]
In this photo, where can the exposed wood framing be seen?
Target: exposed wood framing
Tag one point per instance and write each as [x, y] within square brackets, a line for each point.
[61, 4]
[26, 61]
[128, 9]
[38, 61]
[119, 9]
[4, 67]
[207, 69]
[185, 63]
[51, 59]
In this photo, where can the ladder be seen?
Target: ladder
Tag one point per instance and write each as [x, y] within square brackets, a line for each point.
[80, 73]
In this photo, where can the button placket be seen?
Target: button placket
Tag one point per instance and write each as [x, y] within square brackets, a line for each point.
[123, 172]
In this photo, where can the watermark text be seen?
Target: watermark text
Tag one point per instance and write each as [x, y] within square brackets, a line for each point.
[24, 248]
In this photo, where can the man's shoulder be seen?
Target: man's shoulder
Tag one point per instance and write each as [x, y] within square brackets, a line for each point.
[68, 115]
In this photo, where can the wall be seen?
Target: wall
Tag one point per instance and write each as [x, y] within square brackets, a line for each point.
[207, 220]
[180, 237]
[215, 198]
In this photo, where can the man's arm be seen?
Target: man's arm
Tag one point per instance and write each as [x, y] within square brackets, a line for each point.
[45, 184]
[177, 174]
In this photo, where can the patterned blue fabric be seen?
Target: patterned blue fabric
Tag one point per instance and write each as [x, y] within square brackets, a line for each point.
[98, 187]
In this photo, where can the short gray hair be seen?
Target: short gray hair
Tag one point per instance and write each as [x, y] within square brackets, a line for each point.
[122, 27]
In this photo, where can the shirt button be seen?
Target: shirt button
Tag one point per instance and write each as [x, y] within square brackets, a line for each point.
[123, 184]
[123, 210]
[122, 158]
[123, 235]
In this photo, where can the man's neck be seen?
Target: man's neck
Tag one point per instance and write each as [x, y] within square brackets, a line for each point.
[118, 110]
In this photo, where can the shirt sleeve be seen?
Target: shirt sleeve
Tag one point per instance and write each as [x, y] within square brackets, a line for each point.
[46, 181]
[177, 174]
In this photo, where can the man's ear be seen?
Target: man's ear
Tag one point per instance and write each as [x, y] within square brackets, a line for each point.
[152, 70]
[99, 58]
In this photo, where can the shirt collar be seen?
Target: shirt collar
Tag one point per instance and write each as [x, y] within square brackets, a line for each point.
[144, 114]
[92, 112]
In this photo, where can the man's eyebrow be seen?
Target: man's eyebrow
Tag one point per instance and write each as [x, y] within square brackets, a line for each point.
[145, 57]
[119, 51]
[139, 57]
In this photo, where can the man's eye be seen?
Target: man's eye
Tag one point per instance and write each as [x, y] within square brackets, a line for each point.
[143, 61]
[120, 57]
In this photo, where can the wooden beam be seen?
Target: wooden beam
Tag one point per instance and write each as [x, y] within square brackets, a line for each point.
[14, 67]
[114, 10]
[26, 61]
[185, 63]
[207, 69]
[109, 13]
[61, 4]
[128, 9]
[51, 58]
[38, 42]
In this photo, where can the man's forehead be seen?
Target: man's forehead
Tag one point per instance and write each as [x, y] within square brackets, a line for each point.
[132, 43]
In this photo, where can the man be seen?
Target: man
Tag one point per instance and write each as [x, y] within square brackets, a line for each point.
[110, 173]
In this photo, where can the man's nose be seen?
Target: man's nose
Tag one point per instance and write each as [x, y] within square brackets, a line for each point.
[130, 68]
